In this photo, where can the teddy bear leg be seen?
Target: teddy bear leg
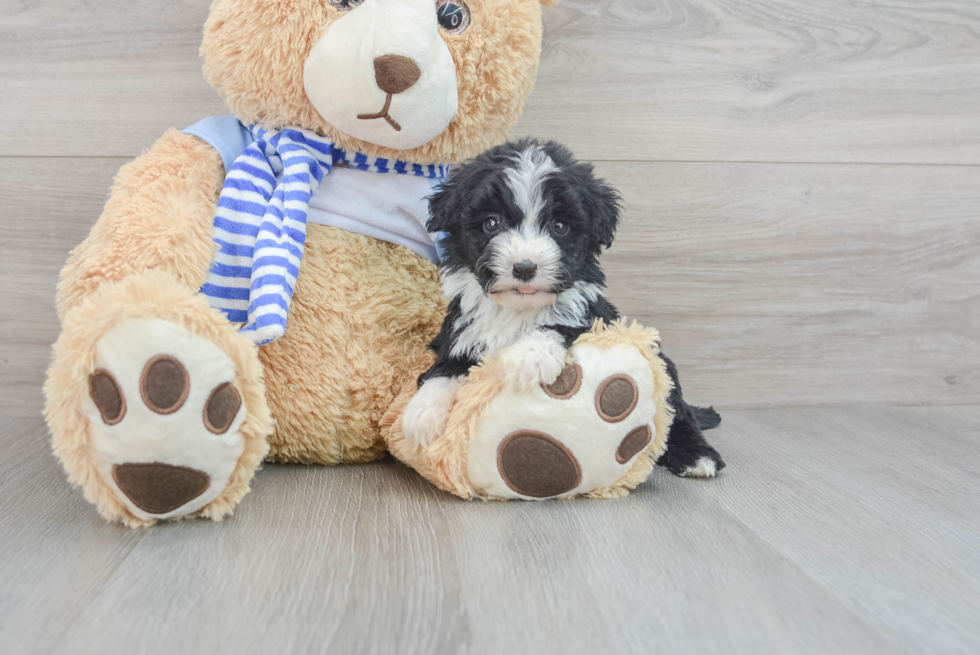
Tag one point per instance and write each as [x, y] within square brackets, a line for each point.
[595, 431]
[688, 454]
[156, 404]
[362, 317]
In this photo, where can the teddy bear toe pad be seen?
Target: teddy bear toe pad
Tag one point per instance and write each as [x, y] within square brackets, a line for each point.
[581, 433]
[165, 418]
[634, 443]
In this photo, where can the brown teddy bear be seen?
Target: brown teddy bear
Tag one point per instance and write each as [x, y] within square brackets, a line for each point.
[175, 375]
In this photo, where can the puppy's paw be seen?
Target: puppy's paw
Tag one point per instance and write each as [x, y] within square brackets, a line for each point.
[705, 467]
[692, 459]
[426, 414]
[532, 361]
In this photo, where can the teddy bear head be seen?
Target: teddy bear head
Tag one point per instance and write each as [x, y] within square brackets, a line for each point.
[420, 80]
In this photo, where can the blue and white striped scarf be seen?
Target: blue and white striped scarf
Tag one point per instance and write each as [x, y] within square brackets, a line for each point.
[260, 225]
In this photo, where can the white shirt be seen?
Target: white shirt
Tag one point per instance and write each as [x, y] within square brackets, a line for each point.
[392, 208]
[388, 207]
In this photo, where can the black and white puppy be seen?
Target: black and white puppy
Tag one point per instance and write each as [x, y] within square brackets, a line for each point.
[525, 225]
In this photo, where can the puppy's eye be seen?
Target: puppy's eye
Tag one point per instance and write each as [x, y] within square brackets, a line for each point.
[345, 5]
[492, 225]
[560, 228]
[454, 15]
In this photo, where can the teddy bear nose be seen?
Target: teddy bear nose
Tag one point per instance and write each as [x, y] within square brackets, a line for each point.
[395, 73]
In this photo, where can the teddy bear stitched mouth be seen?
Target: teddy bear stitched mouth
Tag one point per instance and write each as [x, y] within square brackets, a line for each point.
[393, 74]
[383, 114]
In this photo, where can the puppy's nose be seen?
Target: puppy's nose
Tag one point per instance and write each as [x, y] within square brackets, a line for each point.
[395, 73]
[525, 270]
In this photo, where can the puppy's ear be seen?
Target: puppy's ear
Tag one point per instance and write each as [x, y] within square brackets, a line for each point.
[605, 205]
[601, 201]
[443, 207]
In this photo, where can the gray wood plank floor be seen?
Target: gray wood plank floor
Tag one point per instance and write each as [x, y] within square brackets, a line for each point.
[834, 530]
[802, 188]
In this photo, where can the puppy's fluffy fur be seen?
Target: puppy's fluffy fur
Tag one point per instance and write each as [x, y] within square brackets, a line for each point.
[526, 223]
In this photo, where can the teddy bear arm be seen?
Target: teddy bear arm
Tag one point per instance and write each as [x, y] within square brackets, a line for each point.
[159, 216]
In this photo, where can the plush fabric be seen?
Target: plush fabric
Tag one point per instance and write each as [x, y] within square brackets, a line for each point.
[383, 41]
[159, 216]
[147, 295]
[251, 50]
[362, 313]
[261, 222]
[167, 400]
[446, 463]
[392, 208]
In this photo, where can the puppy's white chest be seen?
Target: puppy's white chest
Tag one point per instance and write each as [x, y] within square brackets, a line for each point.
[484, 327]
[488, 333]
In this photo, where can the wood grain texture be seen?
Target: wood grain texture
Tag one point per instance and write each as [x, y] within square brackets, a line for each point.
[857, 535]
[771, 284]
[704, 80]
[41, 221]
[781, 285]
[762, 80]
[100, 78]
[863, 493]
[57, 553]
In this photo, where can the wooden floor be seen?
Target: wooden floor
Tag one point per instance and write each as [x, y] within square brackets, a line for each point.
[833, 531]
[802, 223]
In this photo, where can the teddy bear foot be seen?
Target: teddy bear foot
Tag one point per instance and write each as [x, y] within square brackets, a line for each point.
[595, 430]
[165, 417]
[156, 403]
[579, 435]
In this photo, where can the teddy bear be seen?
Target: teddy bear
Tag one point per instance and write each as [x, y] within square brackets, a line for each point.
[262, 286]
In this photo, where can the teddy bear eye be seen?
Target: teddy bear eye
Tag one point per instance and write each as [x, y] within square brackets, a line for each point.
[345, 5]
[454, 15]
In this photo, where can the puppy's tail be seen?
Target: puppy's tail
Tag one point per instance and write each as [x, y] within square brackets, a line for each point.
[707, 417]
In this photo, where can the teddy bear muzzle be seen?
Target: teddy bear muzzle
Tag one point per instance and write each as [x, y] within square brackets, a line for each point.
[382, 73]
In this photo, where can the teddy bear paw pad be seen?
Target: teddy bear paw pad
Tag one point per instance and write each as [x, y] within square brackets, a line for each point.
[536, 465]
[580, 433]
[165, 417]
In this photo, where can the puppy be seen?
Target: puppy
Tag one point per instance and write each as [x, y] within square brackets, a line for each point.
[524, 226]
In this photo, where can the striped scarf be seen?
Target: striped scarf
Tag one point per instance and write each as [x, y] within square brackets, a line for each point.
[260, 224]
